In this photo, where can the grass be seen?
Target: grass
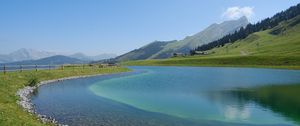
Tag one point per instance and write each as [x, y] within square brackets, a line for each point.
[12, 114]
[284, 62]
[260, 49]
[282, 99]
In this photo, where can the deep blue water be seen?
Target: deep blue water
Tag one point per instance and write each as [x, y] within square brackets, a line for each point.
[184, 96]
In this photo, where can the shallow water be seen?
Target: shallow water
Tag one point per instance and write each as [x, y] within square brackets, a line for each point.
[163, 96]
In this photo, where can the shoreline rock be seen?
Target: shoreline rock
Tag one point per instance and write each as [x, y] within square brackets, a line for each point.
[26, 93]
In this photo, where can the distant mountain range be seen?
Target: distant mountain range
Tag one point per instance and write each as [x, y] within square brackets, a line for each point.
[84, 57]
[52, 60]
[146, 51]
[32, 55]
[25, 54]
[154, 50]
[165, 49]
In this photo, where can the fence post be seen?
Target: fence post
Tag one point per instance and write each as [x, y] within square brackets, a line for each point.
[49, 67]
[4, 69]
[83, 66]
[21, 68]
[62, 67]
[35, 67]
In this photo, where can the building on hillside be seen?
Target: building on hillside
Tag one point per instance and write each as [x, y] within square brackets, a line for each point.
[112, 64]
[179, 54]
[201, 53]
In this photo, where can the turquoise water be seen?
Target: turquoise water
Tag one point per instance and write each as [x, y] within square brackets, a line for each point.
[164, 96]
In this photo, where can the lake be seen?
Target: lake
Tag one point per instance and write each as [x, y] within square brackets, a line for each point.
[167, 96]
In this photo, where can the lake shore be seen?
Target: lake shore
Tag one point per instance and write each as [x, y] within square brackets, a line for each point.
[46, 77]
[25, 98]
[12, 86]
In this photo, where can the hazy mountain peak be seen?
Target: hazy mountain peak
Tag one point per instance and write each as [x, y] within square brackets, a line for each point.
[211, 33]
[28, 54]
[78, 54]
[56, 59]
[212, 25]
[243, 18]
[84, 57]
[25, 54]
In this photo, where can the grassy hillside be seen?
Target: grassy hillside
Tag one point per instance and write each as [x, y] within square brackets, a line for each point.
[211, 33]
[11, 114]
[277, 48]
[165, 49]
[283, 40]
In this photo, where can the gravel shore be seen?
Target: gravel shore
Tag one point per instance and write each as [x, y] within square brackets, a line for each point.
[25, 100]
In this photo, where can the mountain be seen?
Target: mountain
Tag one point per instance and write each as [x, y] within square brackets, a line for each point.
[282, 40]
[81, 56]
[53, 60]
[166, 49]
[84, 57]
[31, 54]
[211, 33]
[103, 56]
[25, 54]
[277, 47]
[267, 23]
[145, 51]
[4, 59]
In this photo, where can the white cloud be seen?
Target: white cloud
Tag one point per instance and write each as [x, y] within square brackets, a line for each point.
[237, 12]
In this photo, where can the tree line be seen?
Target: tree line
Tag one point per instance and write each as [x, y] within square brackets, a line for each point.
[243, 32]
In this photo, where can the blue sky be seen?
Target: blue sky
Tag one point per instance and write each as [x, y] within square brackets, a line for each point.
[116, 26]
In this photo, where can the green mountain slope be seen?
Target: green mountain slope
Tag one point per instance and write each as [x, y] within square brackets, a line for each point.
[144, 52]
[160, 49]
[283, 40]
[211, 33]
[276, 47]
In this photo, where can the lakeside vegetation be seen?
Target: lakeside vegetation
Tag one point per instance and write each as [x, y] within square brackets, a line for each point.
[11, 114]
[281, 62]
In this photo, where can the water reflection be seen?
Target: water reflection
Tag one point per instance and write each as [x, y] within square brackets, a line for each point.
[237, 113]
[282, 100]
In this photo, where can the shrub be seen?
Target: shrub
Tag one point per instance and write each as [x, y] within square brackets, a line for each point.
[32, 81]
